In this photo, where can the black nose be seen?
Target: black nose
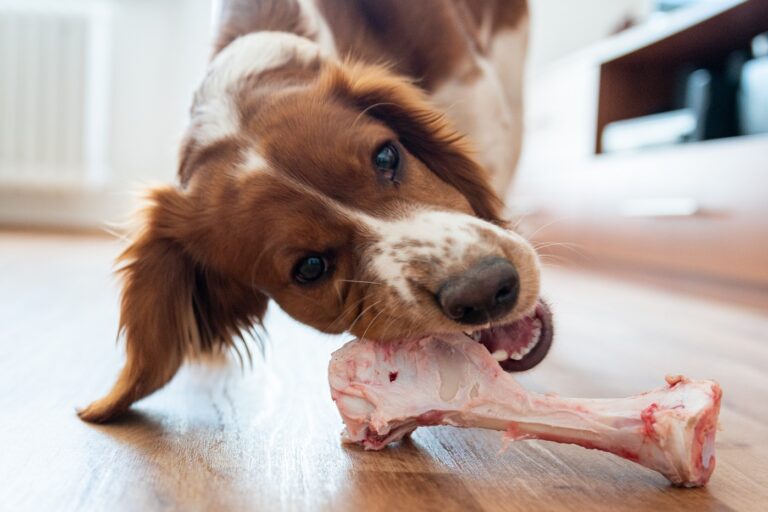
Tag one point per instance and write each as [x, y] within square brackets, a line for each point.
[485, 291]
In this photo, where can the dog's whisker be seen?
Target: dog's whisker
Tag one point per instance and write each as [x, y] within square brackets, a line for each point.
[392, 320]
[574, 249]
[371, 323]
[545, 226]
[347, 309]
[553, 258]
[356, 281]
[110, 230]
[516, 226]
[360, 315]
[338, 292]
[568, 245]
[255, 267]
[371, 107]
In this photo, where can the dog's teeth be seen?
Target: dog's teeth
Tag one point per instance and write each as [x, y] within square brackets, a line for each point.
[535, 335]
[519, 355]
[500, 355]
[527, 349]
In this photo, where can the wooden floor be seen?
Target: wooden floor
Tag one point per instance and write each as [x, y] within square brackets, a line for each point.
[218, 438]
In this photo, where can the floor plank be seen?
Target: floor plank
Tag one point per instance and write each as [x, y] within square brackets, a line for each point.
[266, 438]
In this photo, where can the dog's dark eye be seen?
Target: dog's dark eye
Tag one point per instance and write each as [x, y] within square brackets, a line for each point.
[387, 161]
[310, 269]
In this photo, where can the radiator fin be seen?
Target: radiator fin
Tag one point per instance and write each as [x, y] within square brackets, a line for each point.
[44, 91]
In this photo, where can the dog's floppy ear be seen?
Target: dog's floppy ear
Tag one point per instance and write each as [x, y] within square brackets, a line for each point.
[171, 306]
[421, 128]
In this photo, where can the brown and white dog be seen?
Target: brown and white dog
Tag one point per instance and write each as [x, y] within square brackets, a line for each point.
[319, 170]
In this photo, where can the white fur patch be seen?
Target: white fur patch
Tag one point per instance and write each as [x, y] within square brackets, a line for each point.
[253, 161]
[450, 237]
[214, 113]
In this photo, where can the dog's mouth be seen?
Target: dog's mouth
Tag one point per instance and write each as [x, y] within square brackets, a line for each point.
[522, 344]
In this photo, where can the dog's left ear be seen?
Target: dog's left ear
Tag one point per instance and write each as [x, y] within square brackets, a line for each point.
[421, 128]
[173, 304]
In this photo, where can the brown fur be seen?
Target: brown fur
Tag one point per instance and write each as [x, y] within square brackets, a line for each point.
[200, 271]
[171, 306]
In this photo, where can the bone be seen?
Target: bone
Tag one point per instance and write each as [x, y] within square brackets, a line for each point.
[453, 380]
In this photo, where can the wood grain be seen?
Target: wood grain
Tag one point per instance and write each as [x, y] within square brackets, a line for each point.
[224, 438]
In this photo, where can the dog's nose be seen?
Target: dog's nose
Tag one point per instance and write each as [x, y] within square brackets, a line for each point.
[484, 292]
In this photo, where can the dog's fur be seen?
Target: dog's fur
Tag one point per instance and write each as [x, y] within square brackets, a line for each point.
[276, 164]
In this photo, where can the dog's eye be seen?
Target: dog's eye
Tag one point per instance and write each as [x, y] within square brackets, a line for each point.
[310, 269]
[387, 161]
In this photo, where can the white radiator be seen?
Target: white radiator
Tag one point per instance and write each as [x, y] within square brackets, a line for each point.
[53, 92]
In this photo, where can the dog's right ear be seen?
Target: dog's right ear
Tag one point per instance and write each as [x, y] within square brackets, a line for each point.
[172, 305]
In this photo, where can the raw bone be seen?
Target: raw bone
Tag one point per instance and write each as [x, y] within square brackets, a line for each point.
[384, 391]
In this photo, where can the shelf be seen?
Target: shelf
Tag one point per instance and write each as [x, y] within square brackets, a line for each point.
[640, 72]
[693, 29]
[748, 144]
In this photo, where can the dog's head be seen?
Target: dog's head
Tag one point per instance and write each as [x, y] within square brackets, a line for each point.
[337, 191]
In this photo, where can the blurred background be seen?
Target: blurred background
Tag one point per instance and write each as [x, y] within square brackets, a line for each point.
[645, 144]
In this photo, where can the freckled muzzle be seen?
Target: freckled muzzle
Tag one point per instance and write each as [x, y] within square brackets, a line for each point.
[449, 272]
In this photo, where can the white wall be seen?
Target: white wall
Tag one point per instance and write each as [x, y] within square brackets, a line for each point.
[560, 27]
[159, 51]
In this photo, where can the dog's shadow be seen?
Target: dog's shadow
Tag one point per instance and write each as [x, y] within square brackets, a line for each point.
[132, 427]
[155, 459]
[173, 457]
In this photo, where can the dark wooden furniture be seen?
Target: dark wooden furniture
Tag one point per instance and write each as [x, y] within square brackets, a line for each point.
[699, 209]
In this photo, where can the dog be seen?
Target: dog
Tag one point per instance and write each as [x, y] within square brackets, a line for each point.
[340, 160]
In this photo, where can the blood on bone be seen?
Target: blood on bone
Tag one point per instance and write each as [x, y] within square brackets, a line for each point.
[392, 376]
[351, 369]
[513, 432]
[707, 428]
[430, 418]
[625, 454]
[649, 420]
[674, 380]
